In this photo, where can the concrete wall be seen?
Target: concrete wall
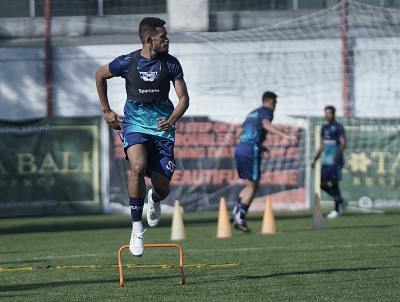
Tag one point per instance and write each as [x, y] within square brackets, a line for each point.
[226, 72]
[188, 15]
[226, 21]
[225, 80]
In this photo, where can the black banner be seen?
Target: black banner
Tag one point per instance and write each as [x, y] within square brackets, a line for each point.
[206, 171]
[50, 166]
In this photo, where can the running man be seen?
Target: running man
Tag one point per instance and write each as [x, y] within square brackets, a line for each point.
[248, 155]
[333, 143]
[149, 119]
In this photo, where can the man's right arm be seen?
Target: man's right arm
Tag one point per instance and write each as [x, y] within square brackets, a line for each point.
[272, 129]
[239, 132]
[102, 74]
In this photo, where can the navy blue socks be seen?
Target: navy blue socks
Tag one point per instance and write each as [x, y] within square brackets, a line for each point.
[236, 207]
[136, 208]
[242, 210]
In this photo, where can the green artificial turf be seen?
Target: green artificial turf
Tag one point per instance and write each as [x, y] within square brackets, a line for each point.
[355, 258]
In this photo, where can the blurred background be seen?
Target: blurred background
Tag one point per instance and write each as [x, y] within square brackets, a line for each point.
[58, 157]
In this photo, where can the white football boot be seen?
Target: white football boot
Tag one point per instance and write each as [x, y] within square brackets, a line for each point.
[153, 210]
[136, 245]
[333, 215]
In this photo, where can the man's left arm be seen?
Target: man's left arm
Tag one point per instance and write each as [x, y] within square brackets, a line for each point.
[180, 109]
[342, 141]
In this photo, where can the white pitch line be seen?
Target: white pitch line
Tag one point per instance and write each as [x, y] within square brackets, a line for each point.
[296, 247]
[367, 211]
[214, 250]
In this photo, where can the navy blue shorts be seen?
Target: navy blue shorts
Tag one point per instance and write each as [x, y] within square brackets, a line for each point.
[160, 152]
[331, 172]
[248, 161]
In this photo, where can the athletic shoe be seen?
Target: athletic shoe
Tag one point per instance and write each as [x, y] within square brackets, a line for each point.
[241, 225]
[136, 246]
[333, 215]
[153, 211]
[343, 205]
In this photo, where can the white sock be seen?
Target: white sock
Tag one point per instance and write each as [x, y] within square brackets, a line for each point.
[137, 226]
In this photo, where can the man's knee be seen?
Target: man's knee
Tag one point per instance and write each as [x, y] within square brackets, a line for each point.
[161, 191]
[160, 184]
[253, 185]
[138, 171]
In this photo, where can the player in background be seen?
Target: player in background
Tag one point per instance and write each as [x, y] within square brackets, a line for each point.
[248, 155]
[333, 143]
[149, 119]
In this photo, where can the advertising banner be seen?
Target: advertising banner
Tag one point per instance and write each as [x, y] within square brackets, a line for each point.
[49, 166]
[370, 176]
[206, 171]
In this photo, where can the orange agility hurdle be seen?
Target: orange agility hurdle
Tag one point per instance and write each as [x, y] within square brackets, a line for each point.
[121, 277]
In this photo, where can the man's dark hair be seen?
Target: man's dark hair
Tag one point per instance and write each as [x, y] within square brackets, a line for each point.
[147, 27]
[268, 95]
[331, 108]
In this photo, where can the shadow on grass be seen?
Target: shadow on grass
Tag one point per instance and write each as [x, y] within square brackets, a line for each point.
[19, 262]
[365, 226]
[26, 251]
[107, 221]
[317, 271]
[252, 216]
[68, 223]
[92, 222]
[40, 285]
[16, 296]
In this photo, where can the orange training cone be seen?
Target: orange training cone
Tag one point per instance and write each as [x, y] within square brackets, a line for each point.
[318, 220]
[224, 227]
[177, 228]
[268, 223]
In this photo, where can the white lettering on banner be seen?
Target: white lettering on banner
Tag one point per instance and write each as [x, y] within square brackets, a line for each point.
[25, 129]
[386, 203]
[366, 202]
[28, 204]
[372, 128]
